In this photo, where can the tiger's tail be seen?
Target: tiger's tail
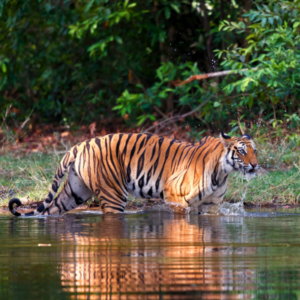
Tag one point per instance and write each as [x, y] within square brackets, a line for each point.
[69, 157]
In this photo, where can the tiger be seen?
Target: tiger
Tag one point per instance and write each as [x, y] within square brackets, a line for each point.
[147, 166]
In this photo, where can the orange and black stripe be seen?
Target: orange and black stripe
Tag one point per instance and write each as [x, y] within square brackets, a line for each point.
[145, 165]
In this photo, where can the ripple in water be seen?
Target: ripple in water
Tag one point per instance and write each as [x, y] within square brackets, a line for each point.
[225, 209]
[232, 209]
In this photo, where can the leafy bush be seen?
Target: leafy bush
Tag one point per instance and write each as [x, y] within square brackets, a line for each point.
[75, 62]
[154, 101]
[70, 61]
[271, 58]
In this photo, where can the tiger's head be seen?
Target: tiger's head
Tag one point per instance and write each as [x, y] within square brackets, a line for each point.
[241, 154]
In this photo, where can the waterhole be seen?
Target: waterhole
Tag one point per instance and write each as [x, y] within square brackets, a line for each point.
[151, 255]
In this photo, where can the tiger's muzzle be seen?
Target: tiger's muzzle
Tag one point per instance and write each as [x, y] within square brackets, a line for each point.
[250, 169]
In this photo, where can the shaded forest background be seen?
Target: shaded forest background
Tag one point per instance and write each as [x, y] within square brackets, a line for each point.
[113, 65]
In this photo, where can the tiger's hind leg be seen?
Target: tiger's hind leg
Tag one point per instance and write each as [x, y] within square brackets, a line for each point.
[112, 200]
[74, 193]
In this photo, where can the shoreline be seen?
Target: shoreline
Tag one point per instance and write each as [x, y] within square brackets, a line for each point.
[29, 207]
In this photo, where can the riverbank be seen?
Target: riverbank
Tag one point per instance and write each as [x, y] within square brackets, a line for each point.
[28, 175]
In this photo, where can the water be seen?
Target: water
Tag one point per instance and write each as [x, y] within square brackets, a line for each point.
[225, 209]
[154, 255]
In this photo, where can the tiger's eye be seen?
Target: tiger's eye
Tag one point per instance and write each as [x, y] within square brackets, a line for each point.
[242, 152]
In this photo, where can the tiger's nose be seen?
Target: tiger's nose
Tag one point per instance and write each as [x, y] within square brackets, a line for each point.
[253, 165]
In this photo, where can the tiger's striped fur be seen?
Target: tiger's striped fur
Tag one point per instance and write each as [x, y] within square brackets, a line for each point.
[147, 166]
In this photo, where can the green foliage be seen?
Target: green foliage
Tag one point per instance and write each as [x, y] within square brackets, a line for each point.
[271, 58]
[106, 23]
[75, 62]
[71, 60]
[189, 97]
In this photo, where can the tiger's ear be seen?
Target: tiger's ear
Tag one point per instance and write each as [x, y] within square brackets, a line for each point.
[225, 139]
[247, 136]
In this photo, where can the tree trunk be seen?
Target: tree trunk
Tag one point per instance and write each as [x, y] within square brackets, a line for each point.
[207, 35]
[222, 19]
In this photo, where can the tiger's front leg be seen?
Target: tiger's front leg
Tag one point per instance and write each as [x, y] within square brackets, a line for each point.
[74, 194]
[177, 191]
[181, 188]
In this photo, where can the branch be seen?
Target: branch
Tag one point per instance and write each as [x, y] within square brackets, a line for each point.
[23, 124]
[176, 118]
[163, 115]
[208, 75]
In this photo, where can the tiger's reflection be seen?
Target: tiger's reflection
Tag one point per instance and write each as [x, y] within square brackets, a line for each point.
[150, 255]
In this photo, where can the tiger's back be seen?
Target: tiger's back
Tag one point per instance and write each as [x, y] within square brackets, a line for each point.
[136, 163]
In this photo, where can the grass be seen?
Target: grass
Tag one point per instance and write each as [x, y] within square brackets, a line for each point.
[28, 177]
[276, 187]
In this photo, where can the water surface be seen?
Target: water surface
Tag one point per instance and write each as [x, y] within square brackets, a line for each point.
[156, 255]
